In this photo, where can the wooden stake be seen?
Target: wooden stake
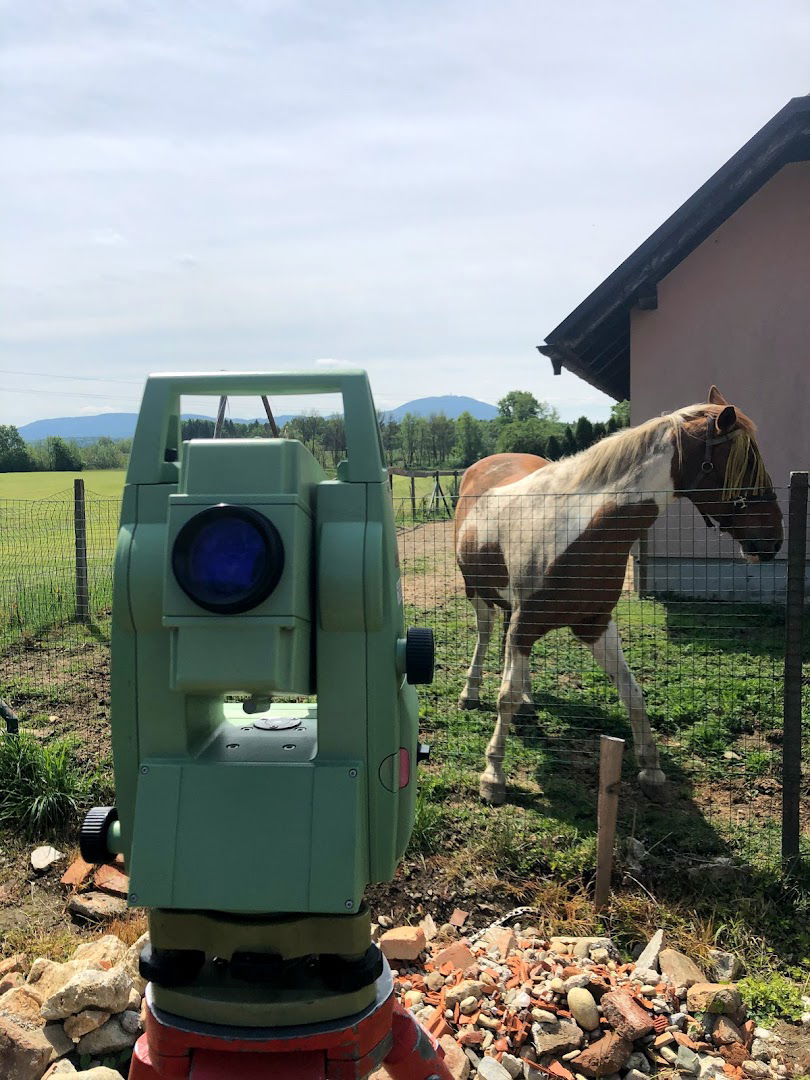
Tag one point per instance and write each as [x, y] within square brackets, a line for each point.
[610, 771]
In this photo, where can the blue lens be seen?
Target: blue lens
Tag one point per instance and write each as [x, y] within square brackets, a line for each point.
[227, 559]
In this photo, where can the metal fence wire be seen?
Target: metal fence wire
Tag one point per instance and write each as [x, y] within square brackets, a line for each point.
[704, 634]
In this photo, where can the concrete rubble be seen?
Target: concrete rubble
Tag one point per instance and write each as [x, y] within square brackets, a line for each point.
[505, 1004]
[56, 1014]
[566, 1007]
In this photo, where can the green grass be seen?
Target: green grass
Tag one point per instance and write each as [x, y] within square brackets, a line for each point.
[41, 787]
[103, 483]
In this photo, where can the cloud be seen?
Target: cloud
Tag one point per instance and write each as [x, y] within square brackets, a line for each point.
[402, 186]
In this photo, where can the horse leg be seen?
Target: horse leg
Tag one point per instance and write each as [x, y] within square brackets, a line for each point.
[485, 618]
[607, 651]
[492, 786]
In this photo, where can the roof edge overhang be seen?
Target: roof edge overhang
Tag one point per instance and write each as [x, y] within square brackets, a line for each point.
[593, 341]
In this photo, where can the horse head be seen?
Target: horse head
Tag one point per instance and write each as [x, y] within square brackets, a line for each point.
[719, 467]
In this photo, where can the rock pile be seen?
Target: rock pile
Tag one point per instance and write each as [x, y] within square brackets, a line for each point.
[506, 1004]
[89, 1006]
[512, 1004]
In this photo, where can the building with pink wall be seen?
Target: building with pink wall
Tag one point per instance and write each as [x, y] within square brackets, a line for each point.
[720, 293]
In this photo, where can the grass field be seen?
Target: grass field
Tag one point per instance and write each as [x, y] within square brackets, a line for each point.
[98, 483]
[37, 543]
[109, 483]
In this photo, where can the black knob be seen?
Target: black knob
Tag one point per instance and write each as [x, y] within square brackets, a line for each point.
[93, 835]
[419, 655]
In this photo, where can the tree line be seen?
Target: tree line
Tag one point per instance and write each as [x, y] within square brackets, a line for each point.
[56, 454]
[523, 425]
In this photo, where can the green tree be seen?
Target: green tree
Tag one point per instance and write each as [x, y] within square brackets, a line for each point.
[620, 412]
[14, 453]
[408, 433]
[599, 431]
[442, 436]
[522, 405]
[523, 437]
[553, 448]
[569, 443]
[62, 456]
[470, 443]
[105, 453]
[334, 437]
[583, 433]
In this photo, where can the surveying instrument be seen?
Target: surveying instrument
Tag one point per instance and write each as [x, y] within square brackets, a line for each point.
[264, 728]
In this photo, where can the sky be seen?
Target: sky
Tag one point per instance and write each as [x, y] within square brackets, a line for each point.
[423, 189]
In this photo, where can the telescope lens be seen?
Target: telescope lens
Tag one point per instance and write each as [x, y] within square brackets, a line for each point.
[228, 559]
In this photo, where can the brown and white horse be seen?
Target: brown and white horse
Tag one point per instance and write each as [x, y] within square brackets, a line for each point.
[548, 543]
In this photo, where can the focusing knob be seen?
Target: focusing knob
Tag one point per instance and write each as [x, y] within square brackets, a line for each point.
[93, 835]
[419, 655]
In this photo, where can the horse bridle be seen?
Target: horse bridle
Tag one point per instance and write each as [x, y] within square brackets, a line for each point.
[740, 502]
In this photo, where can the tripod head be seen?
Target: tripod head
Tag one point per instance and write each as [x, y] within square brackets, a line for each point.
[264, 720]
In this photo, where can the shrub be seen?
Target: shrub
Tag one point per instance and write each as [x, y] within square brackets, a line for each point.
[41, 787]
[772, 997]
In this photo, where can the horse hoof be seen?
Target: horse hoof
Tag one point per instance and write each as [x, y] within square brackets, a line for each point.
[653, 784]
[469, 703]
[492, 791]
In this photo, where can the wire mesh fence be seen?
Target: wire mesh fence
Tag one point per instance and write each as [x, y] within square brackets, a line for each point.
[703, 633]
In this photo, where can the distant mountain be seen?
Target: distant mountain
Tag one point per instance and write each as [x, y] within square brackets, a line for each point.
[451, 405]
[86, 429]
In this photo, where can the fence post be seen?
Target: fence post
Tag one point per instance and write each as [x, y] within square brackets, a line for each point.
[413, 498]
[80, 535]
[794, 611]
[610, 774]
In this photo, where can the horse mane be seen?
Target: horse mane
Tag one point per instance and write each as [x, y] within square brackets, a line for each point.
[617, 457]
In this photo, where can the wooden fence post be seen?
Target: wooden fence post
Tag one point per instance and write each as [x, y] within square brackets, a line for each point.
[80, 537]
[610, 772]
[792, 707]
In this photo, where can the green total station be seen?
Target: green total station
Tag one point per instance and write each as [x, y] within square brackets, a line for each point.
[264, 720]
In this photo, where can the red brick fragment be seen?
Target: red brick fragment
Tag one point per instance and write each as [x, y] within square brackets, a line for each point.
[734, 1054]
[626, 1016]
[77, 873]
[110, 880]
[470, 1038]
[605, 1056]
[459, 917]
[458, 955]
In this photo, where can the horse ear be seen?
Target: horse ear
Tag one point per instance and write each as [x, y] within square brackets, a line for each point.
[715, 397]
[726, 420]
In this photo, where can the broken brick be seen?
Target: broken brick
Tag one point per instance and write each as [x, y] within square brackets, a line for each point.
[77, 873]
[626, 1016]
[111, 880]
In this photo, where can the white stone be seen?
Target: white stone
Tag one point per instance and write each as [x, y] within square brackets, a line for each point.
[758, 1070]
[61, 1068]
[104, 952]
[107, 990]
[648, 960]
[45, 856]
[582, 1006]
[490, 1069]
[513, 1066]
[101, 1072]
[131, 1022]
[110, 1038]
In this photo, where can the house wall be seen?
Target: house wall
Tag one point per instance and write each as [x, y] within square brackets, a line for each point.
[735, 312]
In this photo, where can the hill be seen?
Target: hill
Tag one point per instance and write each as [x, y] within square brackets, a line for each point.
[84, 429]
[452, 405]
